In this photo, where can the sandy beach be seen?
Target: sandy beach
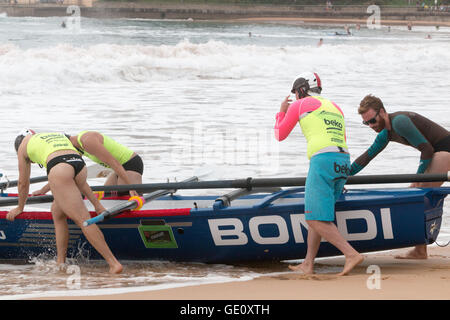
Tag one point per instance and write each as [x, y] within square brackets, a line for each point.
[379, 277]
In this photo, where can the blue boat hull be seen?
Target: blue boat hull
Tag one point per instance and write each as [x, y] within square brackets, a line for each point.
[266, 227]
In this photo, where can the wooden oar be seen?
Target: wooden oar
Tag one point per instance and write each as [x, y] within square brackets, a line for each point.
[131, 204]
[272, 182]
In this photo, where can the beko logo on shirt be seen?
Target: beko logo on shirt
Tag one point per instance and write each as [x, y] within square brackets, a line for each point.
[333, 123]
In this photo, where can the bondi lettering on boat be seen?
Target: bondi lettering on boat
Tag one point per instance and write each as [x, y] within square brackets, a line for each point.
[230, 231]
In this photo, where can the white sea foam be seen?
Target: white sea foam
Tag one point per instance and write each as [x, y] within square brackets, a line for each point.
[65, 64]
[111, 291]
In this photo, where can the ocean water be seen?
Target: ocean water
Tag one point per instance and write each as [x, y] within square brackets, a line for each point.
[187, 95]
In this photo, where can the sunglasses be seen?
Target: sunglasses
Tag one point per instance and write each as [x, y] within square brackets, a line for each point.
[371, 121]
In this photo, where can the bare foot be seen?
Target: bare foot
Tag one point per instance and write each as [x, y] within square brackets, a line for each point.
[116, 269]
[419, 252]
[61, 267]
[303, 267]
[350, 263]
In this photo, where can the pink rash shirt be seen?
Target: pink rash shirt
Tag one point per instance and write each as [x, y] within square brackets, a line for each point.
[285, 122]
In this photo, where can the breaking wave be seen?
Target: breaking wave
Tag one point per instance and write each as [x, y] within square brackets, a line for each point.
[66, 64]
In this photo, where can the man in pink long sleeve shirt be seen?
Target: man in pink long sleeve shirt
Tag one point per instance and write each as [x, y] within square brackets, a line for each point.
[323, 125]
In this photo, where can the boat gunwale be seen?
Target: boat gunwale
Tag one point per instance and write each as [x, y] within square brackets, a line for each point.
[347, 201]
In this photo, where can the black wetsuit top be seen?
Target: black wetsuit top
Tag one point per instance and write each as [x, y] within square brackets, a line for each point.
[411, 129]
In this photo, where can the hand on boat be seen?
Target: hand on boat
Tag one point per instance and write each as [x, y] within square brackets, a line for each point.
[38, 192]
[12, 214]
[42, 190]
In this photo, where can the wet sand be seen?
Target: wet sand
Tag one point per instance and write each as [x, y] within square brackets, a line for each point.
[397, 279]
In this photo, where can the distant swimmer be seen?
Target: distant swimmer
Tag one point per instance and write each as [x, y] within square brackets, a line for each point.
[341, 34]
[411, 129]
[346, 33]
[67, 174]
[347, 30]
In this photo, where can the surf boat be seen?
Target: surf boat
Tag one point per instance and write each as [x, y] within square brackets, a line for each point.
[245, 225]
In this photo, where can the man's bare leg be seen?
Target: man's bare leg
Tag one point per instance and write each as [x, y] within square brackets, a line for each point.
[439, 164]
[418, 252]
[329, 232]
[307, 266]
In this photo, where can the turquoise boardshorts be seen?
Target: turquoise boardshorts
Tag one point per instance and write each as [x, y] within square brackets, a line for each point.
[327, 175]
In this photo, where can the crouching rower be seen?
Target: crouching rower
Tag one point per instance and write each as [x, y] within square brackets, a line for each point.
[127, 165]
[411, 129]
[67, 174]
